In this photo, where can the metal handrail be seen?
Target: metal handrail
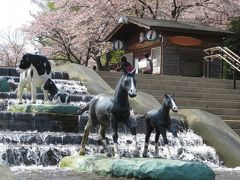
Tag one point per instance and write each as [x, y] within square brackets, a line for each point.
[227, 55]
[226, 51]
[236, 56]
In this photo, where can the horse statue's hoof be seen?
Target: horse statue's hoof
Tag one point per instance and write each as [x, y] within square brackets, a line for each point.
[108, 154]
[144, 155]
[81, 152]
[117, 156]
[169, 157]
[136, 153]
[46, 102]
[157, 154]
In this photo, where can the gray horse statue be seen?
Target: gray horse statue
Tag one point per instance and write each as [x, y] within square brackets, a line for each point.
[160, 121]
[106, 110]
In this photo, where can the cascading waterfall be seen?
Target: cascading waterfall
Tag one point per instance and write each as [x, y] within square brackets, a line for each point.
[35, 148]
[26, 151]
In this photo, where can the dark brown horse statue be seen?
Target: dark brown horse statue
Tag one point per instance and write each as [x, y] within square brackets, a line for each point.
[160, 121]
[106, 110]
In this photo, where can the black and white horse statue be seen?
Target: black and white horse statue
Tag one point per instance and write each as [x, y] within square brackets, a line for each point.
[34, 71]
[160, 121]
[56, 96]
[106, 109]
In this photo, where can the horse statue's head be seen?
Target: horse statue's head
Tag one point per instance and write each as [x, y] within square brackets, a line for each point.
[170, 102]
[129, 83]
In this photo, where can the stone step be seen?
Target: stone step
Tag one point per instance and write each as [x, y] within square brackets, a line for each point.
[157, 84]
[237, 131]
[207, 104]
[116, 77]
[188, 89]
[55, 75]
[40, 122]
[170, 89]
[234, 124]
[73, 97]
[217, 111]
[8, 71]
[107, 74]
[230, 117]
[191, 92]
[201, 96]
[38, 138]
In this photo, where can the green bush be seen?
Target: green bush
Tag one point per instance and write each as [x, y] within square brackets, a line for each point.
[233, 43]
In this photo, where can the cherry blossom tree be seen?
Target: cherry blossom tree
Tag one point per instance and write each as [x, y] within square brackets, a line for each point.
[12, 47]
[214, 12]
[74, 30]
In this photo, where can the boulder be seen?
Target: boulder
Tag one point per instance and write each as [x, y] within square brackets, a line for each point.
[96, 85]
[216, 133]
[44, 108]
[142, 168]
[4, 86]
[6, 173]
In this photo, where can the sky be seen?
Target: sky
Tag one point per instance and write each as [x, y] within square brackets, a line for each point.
[15, 13]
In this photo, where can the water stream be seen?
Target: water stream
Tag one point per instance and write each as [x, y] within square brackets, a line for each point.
[32, 154]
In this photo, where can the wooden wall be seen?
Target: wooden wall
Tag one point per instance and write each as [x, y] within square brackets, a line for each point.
[134, 46]
[182, 53]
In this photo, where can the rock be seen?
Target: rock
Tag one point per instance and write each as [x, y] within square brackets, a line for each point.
[4, 86]
[6, 173]
[96, 85]
[216, 133]
[53, 156]
[44, 108]
[142, 168]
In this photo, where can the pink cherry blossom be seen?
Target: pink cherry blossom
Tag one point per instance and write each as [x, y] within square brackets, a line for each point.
[74, 30]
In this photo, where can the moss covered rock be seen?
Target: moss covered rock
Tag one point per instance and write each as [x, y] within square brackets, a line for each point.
[44, 108]
[143, 168]
[6, 173]
[4, 86]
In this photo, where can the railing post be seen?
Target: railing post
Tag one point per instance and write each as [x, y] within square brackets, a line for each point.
[234, 77]
[208, 69]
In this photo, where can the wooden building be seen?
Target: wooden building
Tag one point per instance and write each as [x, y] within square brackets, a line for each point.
[176, 48]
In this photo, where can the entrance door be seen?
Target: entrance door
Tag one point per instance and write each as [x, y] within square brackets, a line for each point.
[191, 63]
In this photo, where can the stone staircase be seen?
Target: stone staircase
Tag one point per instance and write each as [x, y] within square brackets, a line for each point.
[216, 96]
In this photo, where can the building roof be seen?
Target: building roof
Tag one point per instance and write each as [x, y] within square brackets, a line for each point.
[168, 25]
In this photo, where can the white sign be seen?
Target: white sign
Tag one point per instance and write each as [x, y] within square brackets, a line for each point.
[118, 44]
[151, 35]
[156, 70]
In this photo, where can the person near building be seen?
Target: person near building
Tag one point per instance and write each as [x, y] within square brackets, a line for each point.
[124, 64]
[145, 64]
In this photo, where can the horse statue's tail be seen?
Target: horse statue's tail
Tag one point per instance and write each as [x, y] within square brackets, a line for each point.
[83, 109]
